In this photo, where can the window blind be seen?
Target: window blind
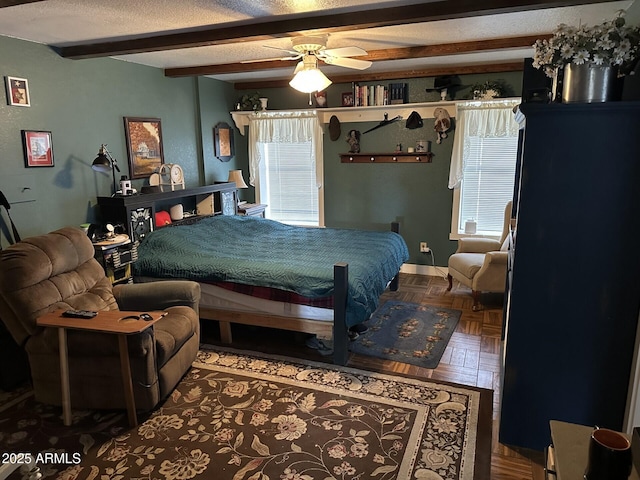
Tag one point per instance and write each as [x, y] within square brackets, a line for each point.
[288, 184]
[487, 185]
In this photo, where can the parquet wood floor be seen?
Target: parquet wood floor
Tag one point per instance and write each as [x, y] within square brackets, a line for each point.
[472, 357]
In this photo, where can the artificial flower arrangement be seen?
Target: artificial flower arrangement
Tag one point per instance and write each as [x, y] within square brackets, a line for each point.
[612, 43]
[250, 101]
[488, 90]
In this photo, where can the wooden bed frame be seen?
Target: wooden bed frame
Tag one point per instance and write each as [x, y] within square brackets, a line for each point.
[337, 329]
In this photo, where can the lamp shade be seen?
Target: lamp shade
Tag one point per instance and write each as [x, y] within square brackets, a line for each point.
[105, 163]
[101, 164]
[308, 78]
[236, 177]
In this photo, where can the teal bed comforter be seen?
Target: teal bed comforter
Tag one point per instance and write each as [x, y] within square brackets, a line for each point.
[262, 252]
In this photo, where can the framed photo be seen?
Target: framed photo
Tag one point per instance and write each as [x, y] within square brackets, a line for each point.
[144, 145]
[347, 99]
[18, 92]
[223, 142]
[38, 148]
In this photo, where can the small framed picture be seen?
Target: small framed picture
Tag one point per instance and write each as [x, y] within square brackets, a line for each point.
[144, 145]
[38, 148]
[347, 99]
[18, 92]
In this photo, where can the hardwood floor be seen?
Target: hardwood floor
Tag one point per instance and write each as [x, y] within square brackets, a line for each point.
[472, 357]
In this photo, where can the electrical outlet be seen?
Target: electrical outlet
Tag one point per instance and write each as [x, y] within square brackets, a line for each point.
[424, 248]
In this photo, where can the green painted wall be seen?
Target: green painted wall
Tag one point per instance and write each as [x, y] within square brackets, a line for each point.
[371, 196]
[216, 100]
[83, 102]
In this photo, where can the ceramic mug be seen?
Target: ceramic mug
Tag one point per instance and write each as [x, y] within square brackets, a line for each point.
[609, 456]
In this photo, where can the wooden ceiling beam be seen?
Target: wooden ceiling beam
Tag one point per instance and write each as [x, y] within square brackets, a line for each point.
[319, 22]
[424, 51]
[381, 76]
[13, 3]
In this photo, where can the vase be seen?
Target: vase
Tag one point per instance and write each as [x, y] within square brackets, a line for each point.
[590, 84]
[263, 103]
[556, 85]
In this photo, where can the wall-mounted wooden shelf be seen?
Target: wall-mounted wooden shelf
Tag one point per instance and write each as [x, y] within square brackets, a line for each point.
[401, 157]
[372, 113]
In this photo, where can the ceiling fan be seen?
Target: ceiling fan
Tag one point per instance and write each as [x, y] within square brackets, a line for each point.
[307, 77]
[317, 47]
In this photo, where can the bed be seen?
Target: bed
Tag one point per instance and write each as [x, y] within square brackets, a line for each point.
[261, 272]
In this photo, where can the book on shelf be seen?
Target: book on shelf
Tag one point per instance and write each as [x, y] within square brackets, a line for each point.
[398, 93]
[370, 95]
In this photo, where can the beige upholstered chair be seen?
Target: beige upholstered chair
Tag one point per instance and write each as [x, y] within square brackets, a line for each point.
[481, 263]
[58, 271]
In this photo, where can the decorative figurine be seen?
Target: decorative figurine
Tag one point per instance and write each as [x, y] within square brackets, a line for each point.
[442, 123]
[353, 139]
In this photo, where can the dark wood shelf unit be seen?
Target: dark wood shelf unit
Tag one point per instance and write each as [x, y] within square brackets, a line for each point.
[401, 157]
[137, 212]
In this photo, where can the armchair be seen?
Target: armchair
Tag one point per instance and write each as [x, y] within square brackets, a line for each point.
[481, 263]
[58, 271]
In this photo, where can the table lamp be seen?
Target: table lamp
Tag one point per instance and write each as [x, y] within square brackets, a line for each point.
[236, 177]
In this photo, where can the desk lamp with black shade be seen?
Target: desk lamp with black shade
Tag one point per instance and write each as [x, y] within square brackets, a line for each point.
[105, 163]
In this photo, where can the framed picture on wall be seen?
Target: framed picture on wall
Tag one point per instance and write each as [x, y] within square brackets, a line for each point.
[144, 145]
[223, 142]
[18, 92]
[38, 148]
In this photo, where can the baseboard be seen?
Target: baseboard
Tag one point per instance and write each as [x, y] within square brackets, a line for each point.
[415, 269]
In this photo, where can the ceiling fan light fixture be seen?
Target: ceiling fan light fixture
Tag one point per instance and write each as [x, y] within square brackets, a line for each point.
[309, 78]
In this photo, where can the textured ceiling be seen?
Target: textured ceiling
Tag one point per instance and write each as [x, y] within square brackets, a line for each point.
[71, 22]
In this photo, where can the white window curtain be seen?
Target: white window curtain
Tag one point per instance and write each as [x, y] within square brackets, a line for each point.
[483, 119]
[285, 165]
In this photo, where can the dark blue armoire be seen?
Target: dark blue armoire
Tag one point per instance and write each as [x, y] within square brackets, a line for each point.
[573, 294]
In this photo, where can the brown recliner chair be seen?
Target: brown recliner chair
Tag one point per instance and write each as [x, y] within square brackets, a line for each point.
[58, 271]
[481, 263]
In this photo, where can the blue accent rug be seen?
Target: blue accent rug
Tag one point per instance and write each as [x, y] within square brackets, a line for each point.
[408, 332]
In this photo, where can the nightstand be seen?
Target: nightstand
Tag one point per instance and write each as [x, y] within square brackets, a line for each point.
[252, 209]
[116, 257]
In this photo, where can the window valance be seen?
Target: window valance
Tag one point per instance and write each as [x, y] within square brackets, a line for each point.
[282, 127]
[492, 118]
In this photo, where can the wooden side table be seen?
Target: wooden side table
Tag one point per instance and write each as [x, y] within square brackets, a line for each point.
[570, 451]
[109, 321]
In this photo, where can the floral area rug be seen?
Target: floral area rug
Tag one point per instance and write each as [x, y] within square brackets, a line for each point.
[408, 332]
[245, 416]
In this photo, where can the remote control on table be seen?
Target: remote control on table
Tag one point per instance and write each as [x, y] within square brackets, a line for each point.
[79, 314]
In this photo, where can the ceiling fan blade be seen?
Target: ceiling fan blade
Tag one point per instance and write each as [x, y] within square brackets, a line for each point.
[259, 60]
[344, 52]
[292, 52]
[347, 62]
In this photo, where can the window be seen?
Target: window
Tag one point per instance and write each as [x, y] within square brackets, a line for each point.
[287, 183]
[285, 166]
[487, 183]
[487, 143]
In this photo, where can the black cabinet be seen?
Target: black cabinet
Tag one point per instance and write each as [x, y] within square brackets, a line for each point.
[573, 296]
